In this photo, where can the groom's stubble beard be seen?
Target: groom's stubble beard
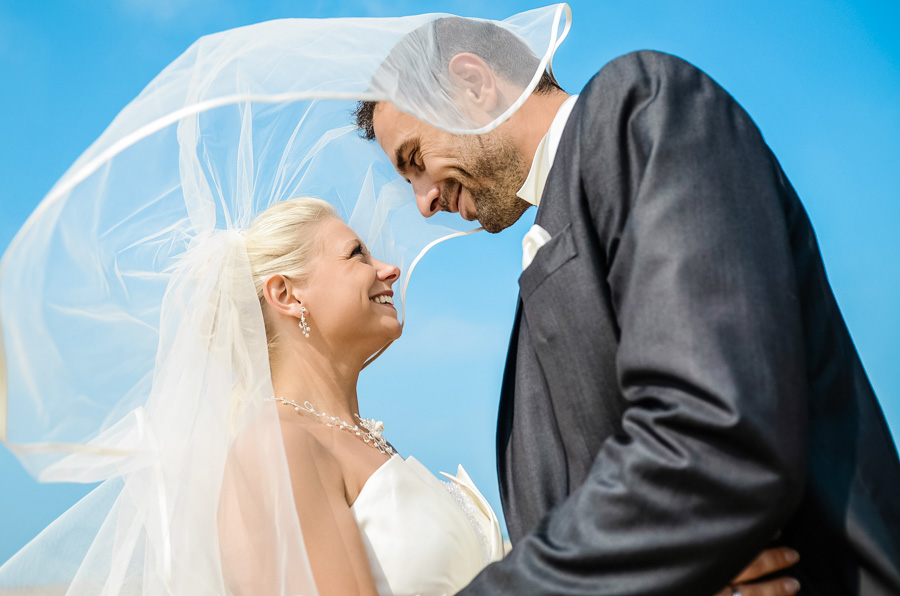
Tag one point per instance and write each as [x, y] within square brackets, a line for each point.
[496, 170]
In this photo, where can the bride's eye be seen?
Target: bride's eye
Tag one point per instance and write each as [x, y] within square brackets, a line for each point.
[359, 250]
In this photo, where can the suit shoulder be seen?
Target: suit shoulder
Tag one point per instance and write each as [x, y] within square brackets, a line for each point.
[651, 60]
[653, 83]
[643, 68]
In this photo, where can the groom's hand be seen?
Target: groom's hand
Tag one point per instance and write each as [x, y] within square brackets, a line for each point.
[748, 582]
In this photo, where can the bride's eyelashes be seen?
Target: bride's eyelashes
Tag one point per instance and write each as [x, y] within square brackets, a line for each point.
[359, 249]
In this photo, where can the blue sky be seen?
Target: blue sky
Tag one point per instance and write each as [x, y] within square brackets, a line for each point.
[820, 77]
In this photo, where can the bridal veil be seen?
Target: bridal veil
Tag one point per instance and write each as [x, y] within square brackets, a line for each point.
[132, 345]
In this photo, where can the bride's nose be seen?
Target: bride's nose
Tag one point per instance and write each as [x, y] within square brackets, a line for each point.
[387, 272]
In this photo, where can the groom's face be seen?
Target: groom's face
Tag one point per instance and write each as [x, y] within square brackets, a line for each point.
[476, 176]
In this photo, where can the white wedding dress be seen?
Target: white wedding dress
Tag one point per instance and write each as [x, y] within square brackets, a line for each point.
[425, 536]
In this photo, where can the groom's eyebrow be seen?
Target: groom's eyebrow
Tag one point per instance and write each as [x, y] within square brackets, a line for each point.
[402, 151]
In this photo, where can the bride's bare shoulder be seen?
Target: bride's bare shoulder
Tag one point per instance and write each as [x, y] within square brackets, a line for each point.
[308, 451]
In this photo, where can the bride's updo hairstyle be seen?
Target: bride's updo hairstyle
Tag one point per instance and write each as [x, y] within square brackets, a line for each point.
[282, 240]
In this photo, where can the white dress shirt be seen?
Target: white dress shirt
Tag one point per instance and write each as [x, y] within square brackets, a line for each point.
[533, 188]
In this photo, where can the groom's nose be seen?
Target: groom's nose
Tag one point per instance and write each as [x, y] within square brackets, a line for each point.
[428, 196]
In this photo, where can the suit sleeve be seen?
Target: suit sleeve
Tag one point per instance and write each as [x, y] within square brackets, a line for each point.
[694, 216]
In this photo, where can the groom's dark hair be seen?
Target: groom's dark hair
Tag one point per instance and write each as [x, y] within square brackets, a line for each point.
[433, 45]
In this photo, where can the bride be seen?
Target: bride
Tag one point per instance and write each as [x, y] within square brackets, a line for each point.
[376, 523]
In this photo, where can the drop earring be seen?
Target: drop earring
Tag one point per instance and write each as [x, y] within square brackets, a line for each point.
[303, 326]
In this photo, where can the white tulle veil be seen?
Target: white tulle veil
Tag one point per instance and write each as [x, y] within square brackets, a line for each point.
[132, 346]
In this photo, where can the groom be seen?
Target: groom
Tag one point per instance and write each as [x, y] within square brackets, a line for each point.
[680, 385]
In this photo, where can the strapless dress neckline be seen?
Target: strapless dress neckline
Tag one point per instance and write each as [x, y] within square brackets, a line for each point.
[424, 536]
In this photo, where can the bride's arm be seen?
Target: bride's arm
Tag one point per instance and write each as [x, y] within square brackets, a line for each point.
[334, 544]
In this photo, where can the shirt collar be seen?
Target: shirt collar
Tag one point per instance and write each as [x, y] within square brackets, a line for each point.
[533, 188]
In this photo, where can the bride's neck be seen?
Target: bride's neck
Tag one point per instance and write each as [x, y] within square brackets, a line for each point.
[327, 382]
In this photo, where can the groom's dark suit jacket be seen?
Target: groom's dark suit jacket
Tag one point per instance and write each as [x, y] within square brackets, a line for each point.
[680, 384]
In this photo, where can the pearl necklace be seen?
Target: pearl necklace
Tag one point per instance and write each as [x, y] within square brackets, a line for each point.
[368, 429]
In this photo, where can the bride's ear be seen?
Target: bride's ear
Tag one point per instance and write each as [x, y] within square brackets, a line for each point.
[282, 295]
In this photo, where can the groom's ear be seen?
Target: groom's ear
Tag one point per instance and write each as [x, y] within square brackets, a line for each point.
[282, 295]
[476, 82]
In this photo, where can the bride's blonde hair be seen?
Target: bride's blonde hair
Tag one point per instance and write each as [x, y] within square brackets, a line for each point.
[282, 240]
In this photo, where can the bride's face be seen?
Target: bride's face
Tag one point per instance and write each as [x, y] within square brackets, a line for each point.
[348, 292]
